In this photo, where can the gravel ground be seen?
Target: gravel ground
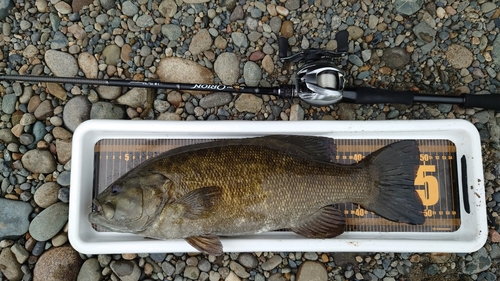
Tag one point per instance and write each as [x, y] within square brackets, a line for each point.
[444, 47]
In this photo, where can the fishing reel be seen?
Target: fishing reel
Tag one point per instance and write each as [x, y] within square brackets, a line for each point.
[318, 82]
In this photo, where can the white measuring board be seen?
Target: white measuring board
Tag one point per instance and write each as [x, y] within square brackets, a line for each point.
[449, 182]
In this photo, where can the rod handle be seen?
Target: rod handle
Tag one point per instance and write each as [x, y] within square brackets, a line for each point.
[283, 47]
[491, 101]
[365, 95]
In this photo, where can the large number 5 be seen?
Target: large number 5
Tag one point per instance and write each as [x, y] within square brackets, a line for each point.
[429, 195]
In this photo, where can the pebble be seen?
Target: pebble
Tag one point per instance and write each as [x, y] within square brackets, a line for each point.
[178, 70]
[238, 269]
[311, 270]
[106, 110]
[252, 74]
[286, 28]
[14, 216]
[239, 39]
[126, 270]
[215, 99]
[202, 41]
[39, 161]
[271, 263]
[57, 91]
[227, 68]
[111, 54]
[9, 266]
[20, 253]
[88, 65]
[46, 194]
[90, 271]
[248, 260]
[58, 264]
[76, 110]
[408, 7]
[49, 222]
[9, 103]
[458, 56]
[479, 263]
[61, 64]
[395, 58]
[44, 110]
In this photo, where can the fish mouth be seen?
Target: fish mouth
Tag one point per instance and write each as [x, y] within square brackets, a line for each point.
[106, 210]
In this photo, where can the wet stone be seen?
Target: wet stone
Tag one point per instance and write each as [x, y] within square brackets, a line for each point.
[49, 222]
[14, 218]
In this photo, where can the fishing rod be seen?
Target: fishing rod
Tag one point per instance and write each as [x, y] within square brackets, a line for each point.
[318, 82]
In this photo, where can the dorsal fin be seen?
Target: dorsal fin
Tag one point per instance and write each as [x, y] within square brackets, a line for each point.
[317, 148]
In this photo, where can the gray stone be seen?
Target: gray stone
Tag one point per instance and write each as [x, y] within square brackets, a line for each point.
[108, 4]
[172, 31]
[395, 58]
[76, 111]
[215, 99]
[6, 136]
[13, 218]
[129, 8]
[106, 110]
[111, 53]
[311, 256]
[59, 41]
[239, 39]
[248, 260]
[252, 74]
[296, 113]
[9, 266]
[292, 4]
[238, 269]
[191, 272]
[20, 253]
[9, 103]
[145, 21]
[312, 270]
[90, 271]
[425, 34]
[408, 7]
[168, 8]
[61, 64]
[204, 265]
[109, 92]
[495, 52]
[380, 273]
[39, 161]
[271, 263]
[480, 262]
[201, 42]
[168, 268]
[354, 59]
[5, 7]
[227, 68]
[46, 194]
[178, 70]
[64, 178]
[49, 222]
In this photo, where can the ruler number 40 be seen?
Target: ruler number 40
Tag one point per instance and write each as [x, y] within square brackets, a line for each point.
[430, 193]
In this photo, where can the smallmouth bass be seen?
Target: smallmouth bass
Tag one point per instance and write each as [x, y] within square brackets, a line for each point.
[245, 186]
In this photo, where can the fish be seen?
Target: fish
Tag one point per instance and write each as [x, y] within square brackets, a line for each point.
[243, 186]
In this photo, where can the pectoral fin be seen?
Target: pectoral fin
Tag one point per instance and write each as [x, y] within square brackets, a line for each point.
[200, 203]
[326, 222]
[208, 244]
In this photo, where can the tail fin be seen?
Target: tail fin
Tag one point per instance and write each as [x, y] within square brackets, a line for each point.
[393, 169]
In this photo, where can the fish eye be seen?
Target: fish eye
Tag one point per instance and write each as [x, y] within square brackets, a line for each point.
[115, 189]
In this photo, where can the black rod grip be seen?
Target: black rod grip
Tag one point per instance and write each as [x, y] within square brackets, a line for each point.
[491, 101]
[283, 47]
[365, 95]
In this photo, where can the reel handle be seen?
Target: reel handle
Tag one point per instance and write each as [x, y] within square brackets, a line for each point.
[491, 101]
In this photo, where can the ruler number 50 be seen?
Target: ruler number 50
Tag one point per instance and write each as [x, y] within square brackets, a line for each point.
[430, 194]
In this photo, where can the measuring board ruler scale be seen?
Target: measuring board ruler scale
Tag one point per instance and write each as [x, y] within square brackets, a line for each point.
[436, 181]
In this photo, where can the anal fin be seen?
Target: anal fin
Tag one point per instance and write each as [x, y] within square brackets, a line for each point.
[326, 222]
[208, 244]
